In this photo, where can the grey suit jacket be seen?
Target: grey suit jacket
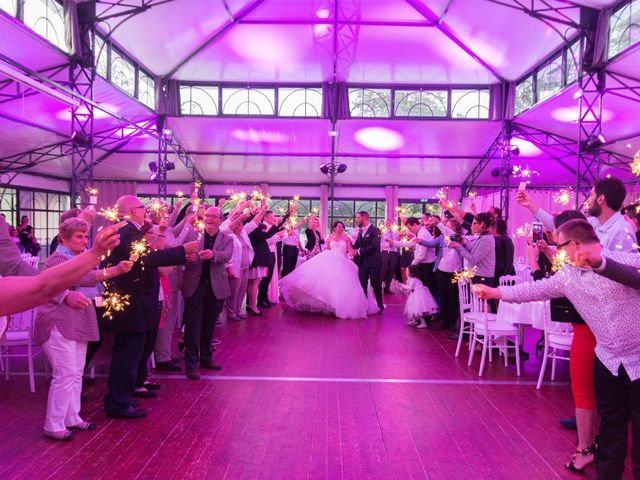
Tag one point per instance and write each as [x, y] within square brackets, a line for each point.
[223, 249]
[11, 264]
[621, 273]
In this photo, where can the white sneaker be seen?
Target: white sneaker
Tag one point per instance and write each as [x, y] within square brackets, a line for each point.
[422, 325]
[412, 323]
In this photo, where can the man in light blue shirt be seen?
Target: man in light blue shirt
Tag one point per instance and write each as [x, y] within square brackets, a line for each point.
[604, 204]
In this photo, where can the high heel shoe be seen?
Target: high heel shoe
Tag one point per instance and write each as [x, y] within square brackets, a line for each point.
[585, 452]
[253, 312]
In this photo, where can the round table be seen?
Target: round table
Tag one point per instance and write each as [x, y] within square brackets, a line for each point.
[530, 313]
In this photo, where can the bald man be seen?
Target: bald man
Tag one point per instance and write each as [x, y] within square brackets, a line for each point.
[205, 286]
[136, 322]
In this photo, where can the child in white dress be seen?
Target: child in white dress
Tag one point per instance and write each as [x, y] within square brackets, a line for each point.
[420, 303]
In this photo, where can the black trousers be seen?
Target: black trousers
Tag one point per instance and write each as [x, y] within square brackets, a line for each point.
[389, 261]
[489, 282]
[289, 259]
[449, 299]
[263, 289]
[201, 311]
[126, 354]
[149, 344]
[618, 402]
[428, 278]
[371, 274]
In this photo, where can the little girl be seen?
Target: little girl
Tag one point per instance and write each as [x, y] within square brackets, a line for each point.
[420, 303]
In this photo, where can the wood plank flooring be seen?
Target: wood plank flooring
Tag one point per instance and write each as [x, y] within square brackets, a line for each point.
[312, 397]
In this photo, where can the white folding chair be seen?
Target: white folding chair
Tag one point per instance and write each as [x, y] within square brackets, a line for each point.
[486, 331]
[468, 315]
[558, 337]
[19, 333]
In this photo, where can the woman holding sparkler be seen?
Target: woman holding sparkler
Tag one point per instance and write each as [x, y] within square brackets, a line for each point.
[63, 327]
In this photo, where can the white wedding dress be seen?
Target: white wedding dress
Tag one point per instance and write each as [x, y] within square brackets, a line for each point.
[328, 283]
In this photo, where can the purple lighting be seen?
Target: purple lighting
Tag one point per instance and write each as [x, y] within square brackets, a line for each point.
[527, 149]
[379, 139]
[571, 115]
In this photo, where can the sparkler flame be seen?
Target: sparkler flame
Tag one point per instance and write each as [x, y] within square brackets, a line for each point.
[560, 259]
[114, 302]
[464, 274]
[138, 249]
[525, 230]
[563, 197]
[110, 213]
[92, 191]
[635, 164]
[179, 193]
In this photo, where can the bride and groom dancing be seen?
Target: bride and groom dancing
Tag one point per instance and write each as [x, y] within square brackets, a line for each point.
[332, 283]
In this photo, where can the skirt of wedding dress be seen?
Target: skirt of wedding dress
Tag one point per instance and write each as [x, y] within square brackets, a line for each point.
[328, 283]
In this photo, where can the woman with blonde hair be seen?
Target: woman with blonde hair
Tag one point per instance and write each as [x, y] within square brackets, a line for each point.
[64, 326]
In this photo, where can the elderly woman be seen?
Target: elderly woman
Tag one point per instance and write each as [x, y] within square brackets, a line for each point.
[64, 326]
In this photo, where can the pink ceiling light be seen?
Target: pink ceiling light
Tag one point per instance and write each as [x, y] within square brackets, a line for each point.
[259, 136]
[97, 114]
[571, 115]
[379, 139]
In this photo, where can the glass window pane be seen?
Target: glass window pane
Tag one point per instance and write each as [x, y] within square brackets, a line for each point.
[572, 62]
[147, 90]
[524, 95]
[101, 57]
[299, 102]
[196, 100]
[624, 28]
[365, 102]
[248, 101]
[123, 73]
[470, 104]
[45, 17]
[416, 103]
[549, 79]
[9, 6]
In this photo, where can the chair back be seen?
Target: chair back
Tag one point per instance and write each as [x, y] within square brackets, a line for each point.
[20, 326]
[464, 293]
[510, 280]
[556, 328]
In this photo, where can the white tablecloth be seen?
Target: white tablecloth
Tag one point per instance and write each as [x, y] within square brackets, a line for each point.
[531, 313]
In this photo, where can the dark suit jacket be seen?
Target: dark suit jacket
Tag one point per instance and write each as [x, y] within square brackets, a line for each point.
[369, 247]
[262, 257]
[311, 239]
[11, 264]
[142, 283]
[618, 272]
[504, 256]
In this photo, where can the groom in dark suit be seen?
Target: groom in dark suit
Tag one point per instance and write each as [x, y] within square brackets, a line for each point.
[368, 257]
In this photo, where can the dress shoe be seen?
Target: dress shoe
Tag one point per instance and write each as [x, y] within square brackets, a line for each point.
[168, 366]
[128, 413]
[209, 365]
[233, 318]
[192, 374]
[454, 336]
[144, 393]
[152, 387]
[569, 423]
[64, 435]
[264, 305]
[216, 341]
[254, 313]
[83, 426]
[242, 315]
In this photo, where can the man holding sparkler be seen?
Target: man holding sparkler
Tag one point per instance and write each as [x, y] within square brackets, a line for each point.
[205, 287]
[132, 324]
[616, 326]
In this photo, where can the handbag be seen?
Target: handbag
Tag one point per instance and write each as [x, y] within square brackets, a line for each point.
[562, 310]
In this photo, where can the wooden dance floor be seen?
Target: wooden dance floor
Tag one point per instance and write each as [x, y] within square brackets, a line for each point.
[312, 397]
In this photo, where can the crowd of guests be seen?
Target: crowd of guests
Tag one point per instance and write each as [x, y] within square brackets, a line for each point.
[201, 263]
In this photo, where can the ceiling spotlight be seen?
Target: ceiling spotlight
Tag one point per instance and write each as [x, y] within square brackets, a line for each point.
[330, 168]
[333, 133]
[342, 168]
[153, 168]
[79, 138]
[593, 143]
[168, 166]
[515, 150]
[495, 172]
[324, 168]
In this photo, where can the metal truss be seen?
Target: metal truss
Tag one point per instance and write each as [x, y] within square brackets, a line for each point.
[505, 167]
[628, 89]
[546, 11]
[492, 152]
[11, 90]
[126, 8]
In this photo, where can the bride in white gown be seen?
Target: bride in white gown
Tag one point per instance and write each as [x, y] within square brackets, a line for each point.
[328, 282]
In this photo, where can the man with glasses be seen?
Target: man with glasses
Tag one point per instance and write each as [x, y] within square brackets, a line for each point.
[205, 287]
[610, 310]
[133, 324]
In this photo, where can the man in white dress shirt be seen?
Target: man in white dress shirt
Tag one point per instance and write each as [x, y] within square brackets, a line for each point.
[389, 255]
[610, 310]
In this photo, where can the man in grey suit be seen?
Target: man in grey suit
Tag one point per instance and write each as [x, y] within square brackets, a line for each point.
[205, 287]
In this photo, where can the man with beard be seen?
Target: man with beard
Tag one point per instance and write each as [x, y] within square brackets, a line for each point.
[604, 204]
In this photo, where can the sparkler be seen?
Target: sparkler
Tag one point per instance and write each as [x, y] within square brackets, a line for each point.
[563, 197]
[93, 195]
[110, 214]
[179, 193]
[114, 302]
[472, 194]
[296, 198]
[525, 230]
[138, 249]
[524, 173]
[560, 259]
[464, 274]
[635, 164]
[442, 194]
[402, 211]
[158, 207]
